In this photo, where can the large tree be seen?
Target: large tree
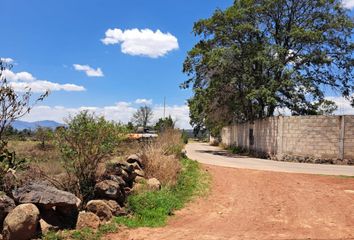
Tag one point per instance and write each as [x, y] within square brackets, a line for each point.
[259, 56]
[143, 116]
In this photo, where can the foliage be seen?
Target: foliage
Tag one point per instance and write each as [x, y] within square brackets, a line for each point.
[257, 57]
[83, 234]
[184, 137]
[43, 134]
[85, 142]
[130, 127]
[161, 157]
[142, 117]
[235, 149]
[13, 105]
[9, 162]
[151, 209]
[164, 123]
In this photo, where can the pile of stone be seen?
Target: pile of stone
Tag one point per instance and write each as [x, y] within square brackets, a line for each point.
[38, 207]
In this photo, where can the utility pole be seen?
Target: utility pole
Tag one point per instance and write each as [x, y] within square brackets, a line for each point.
[164, 107]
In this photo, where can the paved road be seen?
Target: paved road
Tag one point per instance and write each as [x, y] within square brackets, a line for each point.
[204, 153]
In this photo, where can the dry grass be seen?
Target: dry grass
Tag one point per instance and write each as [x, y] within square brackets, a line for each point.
[162, 157]
[48, 160]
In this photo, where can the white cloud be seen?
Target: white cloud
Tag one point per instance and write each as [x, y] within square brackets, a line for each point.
[90, 72]
[348, 4]
[143, 101]
[144, 42]
[7, 60]
[120, 112]
[20, 76]
[344, 107]
[21, 81]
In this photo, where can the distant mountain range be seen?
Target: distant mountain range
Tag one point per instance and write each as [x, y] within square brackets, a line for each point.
[20, 125]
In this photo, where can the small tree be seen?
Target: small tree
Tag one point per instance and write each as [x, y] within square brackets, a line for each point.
[43, 134]
[164, 123]
[142, 117]
[13, 105]
[86, 142]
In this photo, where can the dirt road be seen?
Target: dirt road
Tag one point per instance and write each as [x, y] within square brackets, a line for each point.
[251, 204]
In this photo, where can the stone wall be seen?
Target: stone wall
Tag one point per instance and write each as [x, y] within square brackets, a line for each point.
[302, 137]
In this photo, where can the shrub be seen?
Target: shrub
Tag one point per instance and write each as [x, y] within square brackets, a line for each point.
[86, 142]
[161, 157]
[9, 163]
[185, 137]
[235, 149]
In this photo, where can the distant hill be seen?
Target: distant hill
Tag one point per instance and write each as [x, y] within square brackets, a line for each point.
[20, 125]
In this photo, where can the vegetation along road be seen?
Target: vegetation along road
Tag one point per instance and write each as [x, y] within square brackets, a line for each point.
[253, 204]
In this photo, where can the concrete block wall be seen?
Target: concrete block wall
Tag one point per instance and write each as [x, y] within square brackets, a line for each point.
[348, 137]
[322, 137]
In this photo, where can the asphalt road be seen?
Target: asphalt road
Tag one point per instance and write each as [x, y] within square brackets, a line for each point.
[206, 154]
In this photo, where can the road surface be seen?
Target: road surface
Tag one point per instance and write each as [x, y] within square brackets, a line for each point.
[211, 155]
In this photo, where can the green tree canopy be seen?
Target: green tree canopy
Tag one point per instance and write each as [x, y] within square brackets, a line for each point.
[164, 123]
[259, 56]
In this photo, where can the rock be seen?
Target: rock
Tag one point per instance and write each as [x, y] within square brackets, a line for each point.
[100, 208]
[140, 173]
[59, 217]
[117, 179]
[153, 184]
[134, 158]
[44, 195]
[109, 189]
[116, 210]
[88, 219]
[22, 223]
[128, 177]
[46, 227]
[128, 168]
[135, 166]
[6, 205]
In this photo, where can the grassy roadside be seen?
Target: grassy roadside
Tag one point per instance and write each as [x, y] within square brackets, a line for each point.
[151, 209]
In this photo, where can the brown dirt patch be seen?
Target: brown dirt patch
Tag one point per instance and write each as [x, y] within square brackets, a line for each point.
[249, 204]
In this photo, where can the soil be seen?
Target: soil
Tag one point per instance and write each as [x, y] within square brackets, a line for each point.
[252, 204]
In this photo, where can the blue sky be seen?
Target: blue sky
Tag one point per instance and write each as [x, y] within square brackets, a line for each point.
[67, 46]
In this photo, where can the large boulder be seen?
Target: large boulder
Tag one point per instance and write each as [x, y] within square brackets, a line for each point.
[22, 223]
[153, 184]
[44, 195]
[100, 208]
[88, 220]
[6, 205]
[109, 189]
[58, 208]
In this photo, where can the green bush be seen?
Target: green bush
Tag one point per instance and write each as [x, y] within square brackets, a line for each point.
[235, 149]
[184, 137]
[83, 144]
